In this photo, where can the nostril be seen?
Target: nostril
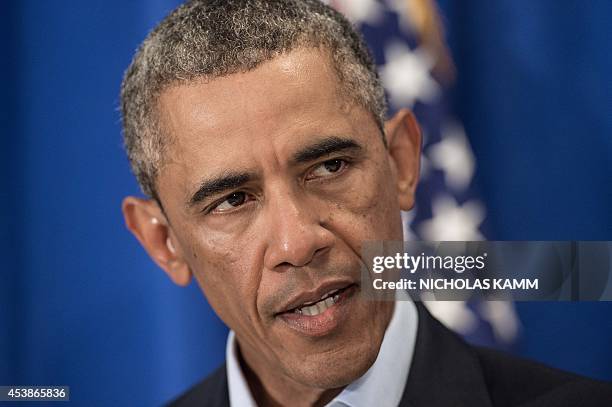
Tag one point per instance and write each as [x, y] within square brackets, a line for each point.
[320, 251]
[284, 267]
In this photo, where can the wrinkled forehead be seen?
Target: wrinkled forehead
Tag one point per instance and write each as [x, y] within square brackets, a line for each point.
[290, 91]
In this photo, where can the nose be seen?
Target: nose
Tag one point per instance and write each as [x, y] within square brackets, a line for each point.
[297, 233]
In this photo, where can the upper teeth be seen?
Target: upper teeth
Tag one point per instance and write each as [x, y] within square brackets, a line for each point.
[320, 306]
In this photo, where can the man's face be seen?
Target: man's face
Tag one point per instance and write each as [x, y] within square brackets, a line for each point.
[272, 182]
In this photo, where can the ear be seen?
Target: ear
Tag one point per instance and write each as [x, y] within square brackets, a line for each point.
[145, 219]
[403, 137]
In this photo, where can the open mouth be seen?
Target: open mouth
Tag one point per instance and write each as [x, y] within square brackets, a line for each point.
[320, 306]
[322, 316]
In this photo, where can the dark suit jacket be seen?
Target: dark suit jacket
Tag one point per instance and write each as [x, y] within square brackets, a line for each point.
[447, 372]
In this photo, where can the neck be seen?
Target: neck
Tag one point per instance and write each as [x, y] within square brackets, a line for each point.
[276, 389]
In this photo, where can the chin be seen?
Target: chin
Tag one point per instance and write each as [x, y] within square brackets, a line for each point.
[338, 369]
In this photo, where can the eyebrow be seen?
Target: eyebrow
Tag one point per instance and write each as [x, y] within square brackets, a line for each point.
[324, 147]
[219, 184]
[232, 180]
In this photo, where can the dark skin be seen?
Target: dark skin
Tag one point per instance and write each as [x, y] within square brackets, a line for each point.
[271, 183]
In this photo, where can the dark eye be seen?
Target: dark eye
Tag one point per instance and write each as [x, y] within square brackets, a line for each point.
[328, 168]
[232, 201]
[332, 165]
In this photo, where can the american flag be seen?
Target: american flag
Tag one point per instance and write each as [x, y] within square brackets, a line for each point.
[407, 41]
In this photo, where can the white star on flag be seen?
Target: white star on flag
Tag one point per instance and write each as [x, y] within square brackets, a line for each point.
[503, 319]
[453, 155]
[454, 314]
[407, 77]
[400, 7]
[360, 11]
[452, 222]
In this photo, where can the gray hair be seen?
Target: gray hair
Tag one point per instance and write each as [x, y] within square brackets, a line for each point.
[214, 38]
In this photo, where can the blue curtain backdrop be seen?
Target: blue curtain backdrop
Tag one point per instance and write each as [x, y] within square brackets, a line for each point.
[82, 305]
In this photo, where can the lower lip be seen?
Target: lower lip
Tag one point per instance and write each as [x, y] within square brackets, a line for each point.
[324, 323]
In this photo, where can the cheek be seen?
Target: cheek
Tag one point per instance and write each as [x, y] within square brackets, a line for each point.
[370, 211]
[227, 274]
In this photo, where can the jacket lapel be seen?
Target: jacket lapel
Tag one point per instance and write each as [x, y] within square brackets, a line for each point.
[444, 371]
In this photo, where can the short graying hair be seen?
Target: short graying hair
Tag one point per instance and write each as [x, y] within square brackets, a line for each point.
[213, 38]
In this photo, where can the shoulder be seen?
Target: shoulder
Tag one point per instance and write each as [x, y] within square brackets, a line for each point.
[447, 371]
[210, 392]
[513, 381]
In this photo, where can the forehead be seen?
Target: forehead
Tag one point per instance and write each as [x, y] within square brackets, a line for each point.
[234, 119]
[293, 79]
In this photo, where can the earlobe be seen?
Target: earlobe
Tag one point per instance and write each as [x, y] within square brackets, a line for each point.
[179, 272]
[148, 224]
[403, 137]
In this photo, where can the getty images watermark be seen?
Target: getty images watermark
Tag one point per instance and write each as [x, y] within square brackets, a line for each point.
[496, 270]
